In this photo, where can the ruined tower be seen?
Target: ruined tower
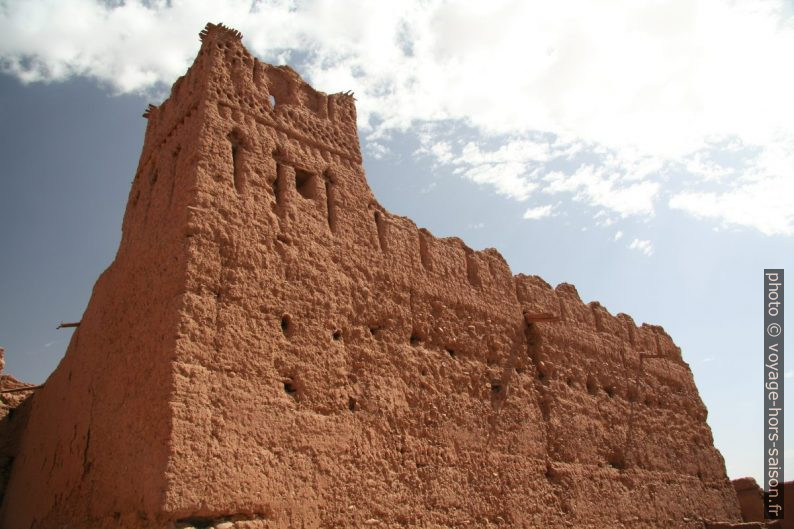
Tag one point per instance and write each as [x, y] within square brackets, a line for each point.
[272, 349]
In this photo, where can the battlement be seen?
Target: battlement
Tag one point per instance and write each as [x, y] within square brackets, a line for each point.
[234, 81]
[219, 31]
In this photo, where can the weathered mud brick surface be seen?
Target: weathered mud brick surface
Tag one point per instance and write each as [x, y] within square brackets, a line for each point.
[271, 348]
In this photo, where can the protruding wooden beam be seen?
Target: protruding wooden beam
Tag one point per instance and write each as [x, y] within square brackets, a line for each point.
[63, 325]
[17, 390]
[149, 110]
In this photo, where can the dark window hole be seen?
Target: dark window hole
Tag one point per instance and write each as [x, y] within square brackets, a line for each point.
[496, 387]
[290, 388]
[452, 353]
[569, 381]
[337, 335]
[374, 331]
[286, 324]
[610, 391]
[352, 405]
[415, 340]
[305, 184]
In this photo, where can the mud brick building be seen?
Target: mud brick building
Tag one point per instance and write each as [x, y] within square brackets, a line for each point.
[271, 348]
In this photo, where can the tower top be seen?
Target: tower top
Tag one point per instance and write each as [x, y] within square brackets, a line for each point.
[219, 28]
[226, 75]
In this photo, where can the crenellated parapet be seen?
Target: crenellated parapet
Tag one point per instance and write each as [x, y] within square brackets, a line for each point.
[277, 97]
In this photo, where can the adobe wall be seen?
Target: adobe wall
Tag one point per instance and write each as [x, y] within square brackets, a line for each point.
[436, 402]
[751, 499]
[272, 346]
[96, 445]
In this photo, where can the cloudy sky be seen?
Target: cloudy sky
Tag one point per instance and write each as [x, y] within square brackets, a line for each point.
[640, 150]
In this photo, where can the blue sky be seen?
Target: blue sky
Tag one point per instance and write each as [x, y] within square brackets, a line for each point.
[642, 152]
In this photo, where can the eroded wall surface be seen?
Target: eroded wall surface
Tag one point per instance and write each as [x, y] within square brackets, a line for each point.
[273, 348]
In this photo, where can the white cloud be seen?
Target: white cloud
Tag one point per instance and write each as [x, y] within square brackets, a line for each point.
[599, 187]
[618, 235]
[622, 103]
[642, 246]
[377, 150]
[539, 212]
[505, 178]
[762, 197]
[442, 151]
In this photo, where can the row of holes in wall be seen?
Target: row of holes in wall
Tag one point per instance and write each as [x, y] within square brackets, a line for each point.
[287, 329]
[415, 340]
[593, 388]
[615, 460]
